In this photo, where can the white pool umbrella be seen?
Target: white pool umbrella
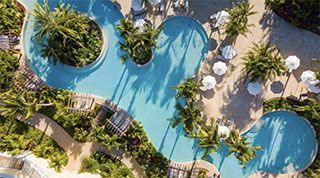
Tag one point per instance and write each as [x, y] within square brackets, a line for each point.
[307, 76]
[292, 63]
[137, 5]
[223, 131]
[221, 17]
[219, 68]
[139, 23]
[154, 2]
[254, 88]
[312, 86]
[228, 52]
[208, 82]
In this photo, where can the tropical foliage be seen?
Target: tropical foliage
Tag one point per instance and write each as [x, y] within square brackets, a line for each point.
[10, 17]
[15, 102]
[107, 167]
[17, 137]
[209, 139]
[139, 146]
[309, 109]
[138, 44]
[238, 20]
[263, 62]
[241, 148]
[302, 13]
[190, 117]
[8, 64]
[66, 35]
[188, 90]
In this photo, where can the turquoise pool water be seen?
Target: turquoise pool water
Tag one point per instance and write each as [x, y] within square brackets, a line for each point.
[145, 91]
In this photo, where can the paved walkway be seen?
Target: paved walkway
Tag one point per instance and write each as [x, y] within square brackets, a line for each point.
[76, 151]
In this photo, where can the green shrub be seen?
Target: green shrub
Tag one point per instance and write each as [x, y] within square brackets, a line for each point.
[106, 166]
[17, 137]
[8, 64]
[10, 17]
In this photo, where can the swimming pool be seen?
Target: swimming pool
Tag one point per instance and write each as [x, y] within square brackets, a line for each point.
[145, 92]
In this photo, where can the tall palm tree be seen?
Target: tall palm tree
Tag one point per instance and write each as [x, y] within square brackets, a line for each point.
[263, 62]
[190, 118]
[14, 103]
[209, 138]
[188, 89]
[238, 20]
[242, 149]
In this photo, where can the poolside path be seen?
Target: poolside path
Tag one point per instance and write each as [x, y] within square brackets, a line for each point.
[76, 151]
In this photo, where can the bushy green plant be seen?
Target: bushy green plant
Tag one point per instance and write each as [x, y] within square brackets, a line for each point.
[241, 148]
[188, 89]
[17, 137]
[238, 20]
[140, 147]
[106, 166]
[137, 44]
[10, 17]
[66, 35]
[8, 64]
[301, 13]
[263, 62]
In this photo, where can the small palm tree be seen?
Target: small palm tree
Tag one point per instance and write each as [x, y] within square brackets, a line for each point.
[242, 149]
[138, 45]
[238, 20]
[209, 139]
[190, 118]
[14, 103]
[57, 161]
[263, 62]
[188, 89]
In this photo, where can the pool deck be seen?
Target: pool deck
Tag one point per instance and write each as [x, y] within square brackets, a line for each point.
[230, 97]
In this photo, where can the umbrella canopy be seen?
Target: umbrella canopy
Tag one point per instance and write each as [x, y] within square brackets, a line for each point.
[137, 5]
[228, 52]
[209, 82]
[154, 2]
[223, 132]
[312, 87]
[254, 88]
[221, 17]
[307, 76]
[292, 62]
[220, 68]
[139, 23]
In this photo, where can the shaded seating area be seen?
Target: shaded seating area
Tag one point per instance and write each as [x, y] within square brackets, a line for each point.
[80, 103]
[9, 41]
[120, 120]
[25, 79]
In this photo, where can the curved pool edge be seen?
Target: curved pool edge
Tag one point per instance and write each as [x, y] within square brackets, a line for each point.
[300, 117]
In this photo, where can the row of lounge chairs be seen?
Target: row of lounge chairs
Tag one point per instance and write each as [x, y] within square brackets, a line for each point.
[25, 79]
[9, 41]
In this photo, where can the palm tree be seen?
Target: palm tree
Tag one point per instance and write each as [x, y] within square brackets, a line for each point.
[209, 139]
[242, 149]
[14, 103]
[138, 45]
[188, 89]
[190, 118]
[238, 20]
[8, 64]
[57, 161]
[263, 62]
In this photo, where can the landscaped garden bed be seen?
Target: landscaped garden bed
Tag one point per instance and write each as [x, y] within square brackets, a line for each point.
[11, 17]
[301, 13]
[17, 137]
[107, 167]
[67, 36]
